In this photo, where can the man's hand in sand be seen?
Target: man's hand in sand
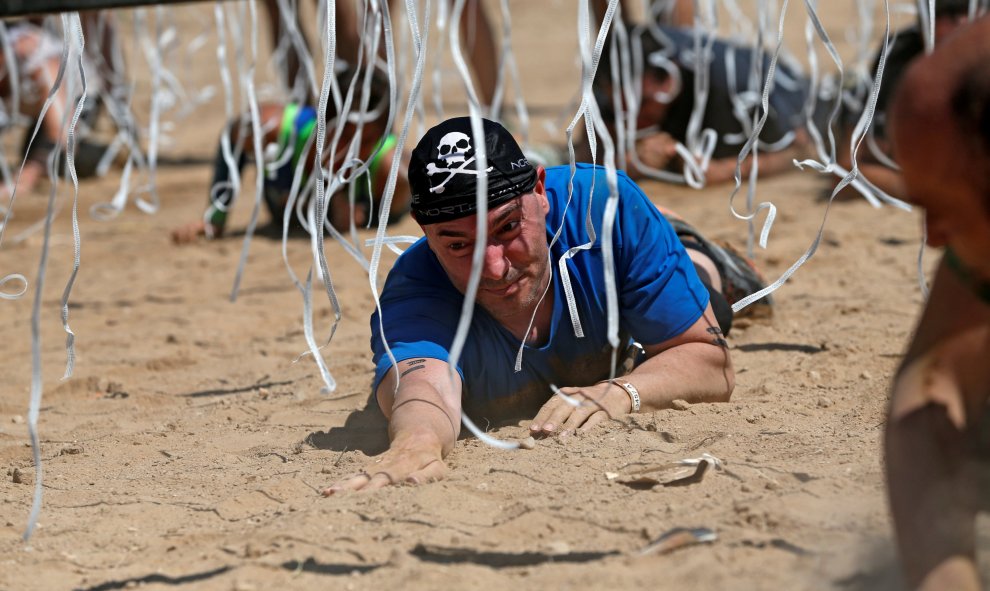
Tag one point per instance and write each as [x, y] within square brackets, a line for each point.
[424, 415]
[597, 403]
[192, 231]
[399, 465]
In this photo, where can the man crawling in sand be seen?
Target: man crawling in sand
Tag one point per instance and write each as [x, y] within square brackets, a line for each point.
[938, 432]
[541, 300]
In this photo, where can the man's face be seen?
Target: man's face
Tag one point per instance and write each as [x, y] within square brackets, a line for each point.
[942, 179]
[516, 262]
[653, 112]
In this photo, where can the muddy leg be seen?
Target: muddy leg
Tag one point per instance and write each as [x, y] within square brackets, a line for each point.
[932, 498]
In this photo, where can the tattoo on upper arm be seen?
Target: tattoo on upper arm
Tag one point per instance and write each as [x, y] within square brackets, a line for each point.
[718, 340]
[413, 365]
[411, 369]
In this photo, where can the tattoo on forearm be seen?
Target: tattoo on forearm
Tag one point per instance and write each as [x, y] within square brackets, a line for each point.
[718, 340]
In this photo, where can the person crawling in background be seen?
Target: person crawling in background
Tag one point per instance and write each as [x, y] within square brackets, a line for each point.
[36, 55]
[667, 98]
[289, 136]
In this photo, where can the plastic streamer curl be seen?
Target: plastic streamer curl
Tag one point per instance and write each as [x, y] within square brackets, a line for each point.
[328, 90]
[13, 295]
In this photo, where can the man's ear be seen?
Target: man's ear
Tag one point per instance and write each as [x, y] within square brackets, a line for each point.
[541, 189]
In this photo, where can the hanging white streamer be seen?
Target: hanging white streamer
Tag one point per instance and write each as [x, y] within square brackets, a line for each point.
[588, 109]
[70, 23]
[247, 86]
[443, 21]
[419, 40]
[751, 146]
[507, 61]
[328, 88]
[849, 178]
[153, 55]
[826, 154]
[290, 22]
[481, 225]
[230, 155]
[78, 48]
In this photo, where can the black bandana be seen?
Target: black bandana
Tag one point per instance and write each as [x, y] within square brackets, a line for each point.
[443, 170]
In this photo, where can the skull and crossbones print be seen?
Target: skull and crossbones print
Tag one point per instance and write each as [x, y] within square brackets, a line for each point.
[453, 150]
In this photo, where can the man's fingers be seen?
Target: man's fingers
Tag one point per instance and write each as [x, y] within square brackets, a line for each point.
[379, 480]
[383, 472]
[430, 473]
[355, 482]
[362, 481]
[577, 418]
[592, 412]
[558, 416]
[545, 413]
[595, 419]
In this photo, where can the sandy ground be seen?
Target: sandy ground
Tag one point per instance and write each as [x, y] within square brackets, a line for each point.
[188, 448]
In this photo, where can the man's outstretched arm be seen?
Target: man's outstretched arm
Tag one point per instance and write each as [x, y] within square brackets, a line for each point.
[694, 367]
[424, 416]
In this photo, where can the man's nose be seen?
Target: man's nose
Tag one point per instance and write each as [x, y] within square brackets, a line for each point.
[496, 265]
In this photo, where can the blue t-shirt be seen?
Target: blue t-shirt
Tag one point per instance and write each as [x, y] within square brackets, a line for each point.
[660, 296]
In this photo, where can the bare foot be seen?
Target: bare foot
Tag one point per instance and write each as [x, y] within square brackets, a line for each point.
[28, 180]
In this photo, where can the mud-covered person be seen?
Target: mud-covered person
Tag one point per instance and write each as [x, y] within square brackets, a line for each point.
[522, 301]
[938, 431]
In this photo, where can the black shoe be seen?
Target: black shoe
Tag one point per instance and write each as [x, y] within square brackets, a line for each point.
[739, 275]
